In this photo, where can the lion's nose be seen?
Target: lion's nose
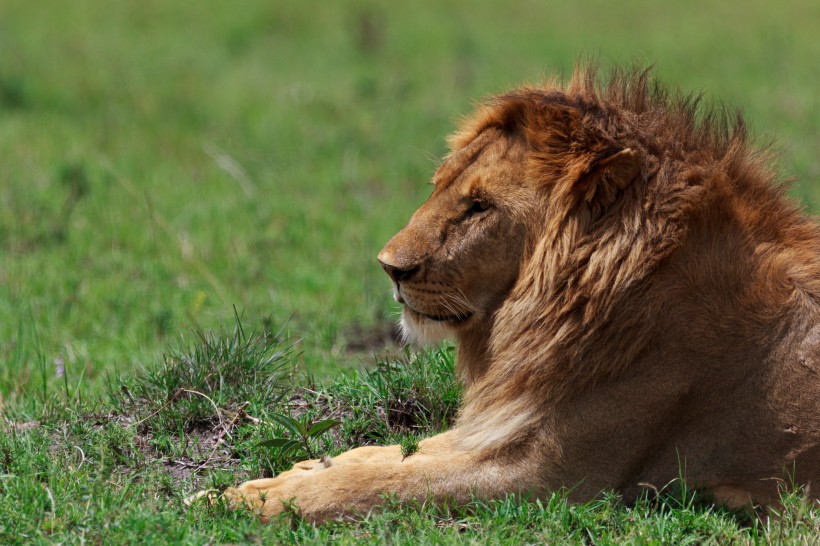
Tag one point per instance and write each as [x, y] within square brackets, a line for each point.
[398, 274]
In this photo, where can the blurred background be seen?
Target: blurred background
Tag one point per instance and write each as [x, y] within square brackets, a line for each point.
[164, 161]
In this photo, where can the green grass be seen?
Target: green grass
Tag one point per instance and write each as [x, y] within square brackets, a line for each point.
[118, 472]
[162, 162]
[165, 163]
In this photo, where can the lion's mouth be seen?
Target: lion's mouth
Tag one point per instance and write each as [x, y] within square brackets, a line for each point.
[453, 319]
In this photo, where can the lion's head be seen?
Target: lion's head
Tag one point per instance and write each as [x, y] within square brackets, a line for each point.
[516, 170]
[460, 254]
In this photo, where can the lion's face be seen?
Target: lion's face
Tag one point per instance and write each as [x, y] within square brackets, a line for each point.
[458, 257]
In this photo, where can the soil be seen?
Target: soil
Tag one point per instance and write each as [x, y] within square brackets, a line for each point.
[383, 335]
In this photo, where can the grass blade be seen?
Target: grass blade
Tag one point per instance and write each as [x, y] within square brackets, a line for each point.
[318, 428]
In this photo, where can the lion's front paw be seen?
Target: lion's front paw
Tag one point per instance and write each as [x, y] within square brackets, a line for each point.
[268, 496]
[250, 494]
[271, 496]
[208, 495]
[264, 497]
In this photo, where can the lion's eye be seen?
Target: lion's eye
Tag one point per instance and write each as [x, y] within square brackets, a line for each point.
[478, 207]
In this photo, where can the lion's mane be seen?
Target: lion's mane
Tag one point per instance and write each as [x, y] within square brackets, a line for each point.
[582, 310]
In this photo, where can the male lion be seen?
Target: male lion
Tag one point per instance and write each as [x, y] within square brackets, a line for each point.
[633, 297]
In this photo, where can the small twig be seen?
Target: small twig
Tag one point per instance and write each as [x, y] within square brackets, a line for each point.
[317, 393]
[165, 405]
[51, 500]
[257, 421]
[652, 487]
[232, 167]
[223, 432]
[209, 399]
[195, 466]
[185, 464]
[82, 453]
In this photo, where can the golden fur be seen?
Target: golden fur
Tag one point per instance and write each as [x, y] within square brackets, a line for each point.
[633, 300]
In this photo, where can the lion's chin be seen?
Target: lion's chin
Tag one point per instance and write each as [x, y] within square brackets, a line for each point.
[422, 330]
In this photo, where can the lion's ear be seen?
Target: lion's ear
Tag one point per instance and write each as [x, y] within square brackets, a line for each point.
[601, 176]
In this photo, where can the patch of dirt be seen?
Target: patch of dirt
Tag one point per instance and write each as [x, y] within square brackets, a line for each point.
[374, 339]
[187, 459]
[210, 452]
[207, 446]
[400, 415]
[403, 415]
[23, 425]
[202, 448]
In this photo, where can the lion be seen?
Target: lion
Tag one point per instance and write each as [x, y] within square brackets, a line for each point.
[633, 298]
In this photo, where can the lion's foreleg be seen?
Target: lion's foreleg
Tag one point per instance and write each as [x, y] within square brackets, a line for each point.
[358, 480]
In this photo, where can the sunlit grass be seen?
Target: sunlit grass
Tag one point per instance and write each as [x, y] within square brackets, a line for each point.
[119, 472]
[165, 164]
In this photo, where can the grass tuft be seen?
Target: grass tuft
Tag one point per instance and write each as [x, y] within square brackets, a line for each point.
[217, 411]
[213, 375]
[417, 394]
[398, 402]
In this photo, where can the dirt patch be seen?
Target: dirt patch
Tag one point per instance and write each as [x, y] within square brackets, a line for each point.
[399, 416]
[405, 415]
[186, 458]
[211, 452]
[373, 339]
[23, 425]
[204, 447]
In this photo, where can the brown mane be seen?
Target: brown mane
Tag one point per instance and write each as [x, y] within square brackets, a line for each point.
[669, 119]
[593, 258]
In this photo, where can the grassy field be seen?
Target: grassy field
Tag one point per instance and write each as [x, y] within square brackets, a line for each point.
[167, 166]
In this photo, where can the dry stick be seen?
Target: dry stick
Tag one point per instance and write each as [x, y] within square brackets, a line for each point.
[256, 420]
[208, 398]
[78, 448]
[184, 464]
[165, 405]
[225, 430]
[232, 167]
[318, 394]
